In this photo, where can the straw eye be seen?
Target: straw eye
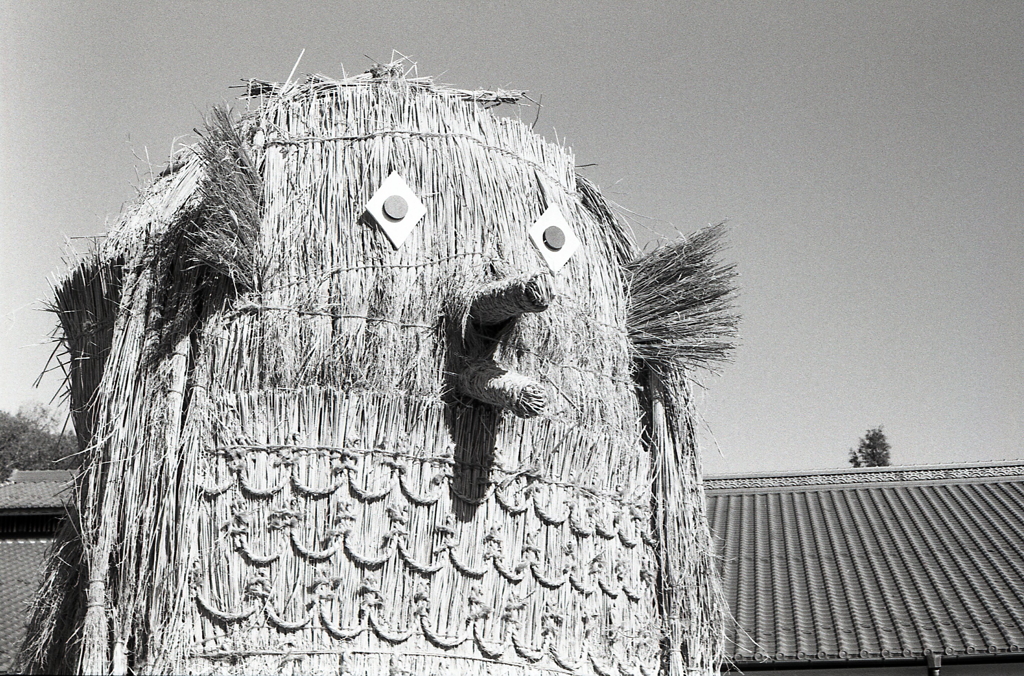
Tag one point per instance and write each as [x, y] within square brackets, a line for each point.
[554, 239]
[395, 209]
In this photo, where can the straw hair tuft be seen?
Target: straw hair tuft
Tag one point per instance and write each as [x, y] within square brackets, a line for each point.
[225, 236]
[681, 303]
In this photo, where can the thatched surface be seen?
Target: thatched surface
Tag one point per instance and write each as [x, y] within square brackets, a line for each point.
[288, 469]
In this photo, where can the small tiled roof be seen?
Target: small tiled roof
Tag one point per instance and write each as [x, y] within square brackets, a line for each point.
[35, 490]
[21, 563]
[870, 564]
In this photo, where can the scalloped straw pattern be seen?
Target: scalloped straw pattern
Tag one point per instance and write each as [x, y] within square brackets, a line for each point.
[282, 473]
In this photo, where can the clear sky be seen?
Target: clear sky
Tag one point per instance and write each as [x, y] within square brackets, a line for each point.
[869, 156]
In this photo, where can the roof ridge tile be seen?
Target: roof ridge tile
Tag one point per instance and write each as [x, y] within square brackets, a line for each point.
[871, 475]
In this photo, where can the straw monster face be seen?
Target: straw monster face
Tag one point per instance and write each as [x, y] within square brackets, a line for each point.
[490, 311]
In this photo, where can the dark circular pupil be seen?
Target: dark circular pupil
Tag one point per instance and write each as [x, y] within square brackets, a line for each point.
[395, 207]
[554, 238]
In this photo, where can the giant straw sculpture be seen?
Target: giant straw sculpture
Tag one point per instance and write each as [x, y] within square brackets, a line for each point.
[370, 382]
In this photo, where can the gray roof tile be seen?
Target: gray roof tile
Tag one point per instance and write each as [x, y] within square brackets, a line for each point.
[45, 489]
[21, 563]
[872, 563]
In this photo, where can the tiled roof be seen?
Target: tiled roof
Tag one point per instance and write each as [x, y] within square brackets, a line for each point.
[873, 564]
[21, 563]
[31, 475]
[45, 489]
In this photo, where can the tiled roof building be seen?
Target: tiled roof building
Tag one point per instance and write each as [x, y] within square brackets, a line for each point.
[873, 567]
[31, 505]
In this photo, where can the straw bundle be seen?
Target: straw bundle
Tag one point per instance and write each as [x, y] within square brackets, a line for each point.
[692, 604]
[311, 451]
[681, 303]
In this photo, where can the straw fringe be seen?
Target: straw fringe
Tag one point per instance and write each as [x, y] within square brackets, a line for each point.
[53, 633]
[226, 237]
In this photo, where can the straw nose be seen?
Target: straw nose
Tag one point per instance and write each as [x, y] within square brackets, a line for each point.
[512, 297]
